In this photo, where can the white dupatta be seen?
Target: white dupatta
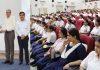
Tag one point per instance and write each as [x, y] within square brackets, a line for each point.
[66, 54]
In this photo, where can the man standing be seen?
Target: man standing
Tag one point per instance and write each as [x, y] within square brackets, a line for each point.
[23, 29]
[9, 36]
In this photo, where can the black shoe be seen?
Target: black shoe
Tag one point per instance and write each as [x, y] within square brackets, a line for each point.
[11, 63]
[27, 63]
[20, 63]
[32, 63]
[6, 62]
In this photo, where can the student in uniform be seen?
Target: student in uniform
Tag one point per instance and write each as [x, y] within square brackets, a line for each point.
[92, 61]
[70, 24]
[57, 22]
[41, 32]
[56, 47]
[60, 22]
[72, 53]
[85, 29]
[33, 23]
[37, 41]
[96, 30]
[36, 28]
[32, 27]
[51, 38]
[44, 36]
[81, 17]
[23, 29]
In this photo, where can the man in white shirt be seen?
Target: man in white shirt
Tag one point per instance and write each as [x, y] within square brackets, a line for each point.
[23, 29]
[8, 28]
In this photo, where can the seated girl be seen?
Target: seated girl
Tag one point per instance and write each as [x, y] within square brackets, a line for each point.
[72, 53]
[51, 38]
[70, 24]
[96, 30]
[56, 46]
[92, 61]
[42, 32]
[85, 29]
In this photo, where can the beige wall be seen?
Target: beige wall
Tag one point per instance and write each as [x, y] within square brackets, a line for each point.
[15, 6]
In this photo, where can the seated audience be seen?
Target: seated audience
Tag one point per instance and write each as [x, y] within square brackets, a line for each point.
[72, 53]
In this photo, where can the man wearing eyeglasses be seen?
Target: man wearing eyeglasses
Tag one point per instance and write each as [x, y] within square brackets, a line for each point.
[23, 29]
[9, 36]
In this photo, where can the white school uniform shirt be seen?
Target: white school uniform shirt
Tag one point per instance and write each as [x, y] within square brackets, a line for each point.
[73, 18]
[94, 15]
[85, 29]
[51, 38]
[58, 44]
[41, 30]
[22, 28]
[36, 27]
[46, 20]
[89, 14]
[77, 14]
[81, 19]
[33, 25]
[69, 26]
[98, 14]
[9, 24]
[57, 23]
[94, 21]
[91, 62]
[61, 23]
[85, 14]
[45, 34]
[96, 30]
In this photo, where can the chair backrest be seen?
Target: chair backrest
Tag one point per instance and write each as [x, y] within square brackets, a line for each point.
[79, 24]
[92, 18]
[65, 22]
[91, 24]
[84, 17]
[77, 18]
[89, 41]
[57, 31]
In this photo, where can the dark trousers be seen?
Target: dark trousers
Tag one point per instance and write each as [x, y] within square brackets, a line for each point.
[23, 45]
[9, 45]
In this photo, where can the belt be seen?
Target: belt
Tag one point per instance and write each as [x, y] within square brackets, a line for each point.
[50, 43]
[10, 31]
[20, 36]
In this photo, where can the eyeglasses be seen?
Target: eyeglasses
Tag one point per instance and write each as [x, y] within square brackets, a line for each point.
[21, 15]
[8, 12]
